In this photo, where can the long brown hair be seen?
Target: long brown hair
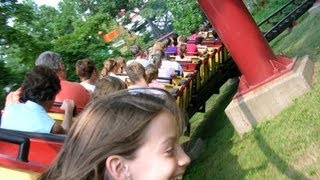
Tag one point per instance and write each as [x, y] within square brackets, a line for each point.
[183, 50]
[85, 68]
[108, 66]
[151, 72]
[121, 65]
[112, 125]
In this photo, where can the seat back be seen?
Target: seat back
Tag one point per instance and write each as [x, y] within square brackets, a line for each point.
[28, 151]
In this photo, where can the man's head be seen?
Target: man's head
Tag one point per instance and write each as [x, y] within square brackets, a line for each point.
[136, 72]
[53, 61]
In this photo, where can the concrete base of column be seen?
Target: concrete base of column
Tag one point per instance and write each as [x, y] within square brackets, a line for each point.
[315, 9]
[269, 99]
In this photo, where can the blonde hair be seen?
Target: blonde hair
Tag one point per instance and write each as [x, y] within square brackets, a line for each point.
[156, 58]
[183, 50]
[108, 66]
[121, 65]
[136, 71]
[158, 46]
[108, 85]
[112, 125]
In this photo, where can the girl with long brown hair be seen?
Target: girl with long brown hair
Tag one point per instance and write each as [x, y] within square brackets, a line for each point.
[109, 68]
[132, 134]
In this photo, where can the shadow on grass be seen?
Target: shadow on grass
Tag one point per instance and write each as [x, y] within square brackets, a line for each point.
[207, 166]
[217, 161]
[269, 153]
[215, 119]
[275, 159]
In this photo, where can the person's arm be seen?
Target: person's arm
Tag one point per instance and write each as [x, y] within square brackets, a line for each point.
[172, 72]
[57, 129]
[13, 97]
[67, 106]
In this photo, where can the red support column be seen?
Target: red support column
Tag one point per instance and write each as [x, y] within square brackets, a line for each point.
[245, 42]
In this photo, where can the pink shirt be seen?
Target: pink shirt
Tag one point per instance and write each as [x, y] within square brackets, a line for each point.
[156, 84]
[193, 37]
[73, 91]
[192, 48]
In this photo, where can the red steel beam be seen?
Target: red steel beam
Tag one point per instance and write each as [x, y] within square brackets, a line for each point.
[245, 42]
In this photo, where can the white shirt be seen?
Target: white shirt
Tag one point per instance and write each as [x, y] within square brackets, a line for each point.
[122, 78]
[144, 62]
[166, 72]
[172, 64]
[88, 86]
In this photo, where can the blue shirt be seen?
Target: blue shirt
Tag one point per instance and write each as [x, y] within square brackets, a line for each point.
[30, 117]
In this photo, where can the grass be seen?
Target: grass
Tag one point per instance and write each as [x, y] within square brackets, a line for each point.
[286, 147]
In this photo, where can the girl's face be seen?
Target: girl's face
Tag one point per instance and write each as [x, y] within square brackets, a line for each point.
[120, 66]
[161, 156]
[107, 64]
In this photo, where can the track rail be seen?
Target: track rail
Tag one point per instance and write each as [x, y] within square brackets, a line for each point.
[289, 17]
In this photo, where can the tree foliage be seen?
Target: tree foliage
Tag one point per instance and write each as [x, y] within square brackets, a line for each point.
[186, 14]
[70, 30]
[15, 45]
[18, 38]
[5, 72]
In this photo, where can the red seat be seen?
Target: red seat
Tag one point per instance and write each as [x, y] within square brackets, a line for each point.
[36, 154]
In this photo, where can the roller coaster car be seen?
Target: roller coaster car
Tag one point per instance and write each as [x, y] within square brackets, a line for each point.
[24, 155]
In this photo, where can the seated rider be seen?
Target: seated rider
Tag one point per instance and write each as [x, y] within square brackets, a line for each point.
[69, 90]
[137, 75]
[152, 75]
[38, 91]
[139, 56]
[88, 73]
[108, 85]
[109, 68]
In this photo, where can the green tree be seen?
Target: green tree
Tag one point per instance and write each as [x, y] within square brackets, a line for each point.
[84, 41]
[77, 26]
[157, 15]
[4, 81]
[186, 14]
[17, 46]
[14, 37]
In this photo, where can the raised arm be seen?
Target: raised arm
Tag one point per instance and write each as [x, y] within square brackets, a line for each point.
[67, 106]
[13, 97]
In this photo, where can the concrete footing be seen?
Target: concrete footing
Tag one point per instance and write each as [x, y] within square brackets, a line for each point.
[271, 98]
[315, 9]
